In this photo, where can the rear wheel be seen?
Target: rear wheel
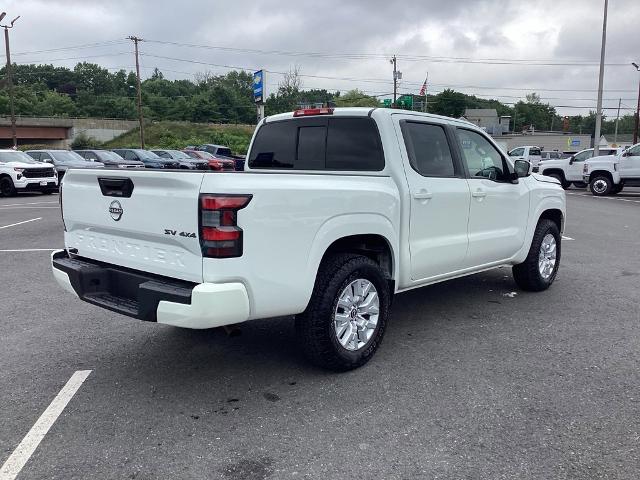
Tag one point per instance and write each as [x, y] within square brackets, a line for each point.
[579, 184]
[540, 268]
[7, 189]
[600, 185]
[343, 325]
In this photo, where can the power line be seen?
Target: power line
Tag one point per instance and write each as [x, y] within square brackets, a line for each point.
[360, 56]
[73, 47]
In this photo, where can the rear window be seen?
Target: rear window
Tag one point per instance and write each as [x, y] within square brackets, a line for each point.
[318, 144]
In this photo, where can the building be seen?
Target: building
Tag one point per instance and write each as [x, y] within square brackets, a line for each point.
[488, 120]
[623, 140]
[549, 141]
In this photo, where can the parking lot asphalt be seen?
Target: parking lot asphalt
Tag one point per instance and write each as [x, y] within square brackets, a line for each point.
[475, 379]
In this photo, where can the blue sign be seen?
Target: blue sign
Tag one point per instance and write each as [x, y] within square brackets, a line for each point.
[575, 143]
[258, 86]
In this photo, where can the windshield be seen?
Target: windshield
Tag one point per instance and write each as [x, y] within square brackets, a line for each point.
[205, 154]
[16, 157]
[178, 155]
[147, 155]
[106, 155]
[67, 156]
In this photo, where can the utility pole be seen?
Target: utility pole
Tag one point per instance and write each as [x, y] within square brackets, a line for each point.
[615, 135]
[596, 139]
[635, 130]
[395, 80]
[9, 78]
[140, 116]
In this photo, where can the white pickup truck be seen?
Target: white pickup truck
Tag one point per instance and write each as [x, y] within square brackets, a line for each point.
[336, 211]
[569, 170]
[607, 174]
[530, 153]
[21, 173]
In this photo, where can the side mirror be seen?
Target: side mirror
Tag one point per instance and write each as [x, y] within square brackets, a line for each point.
[625, 153]
[522, 168]
[571, 160]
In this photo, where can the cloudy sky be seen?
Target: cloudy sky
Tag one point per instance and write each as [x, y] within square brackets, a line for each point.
[495, 49]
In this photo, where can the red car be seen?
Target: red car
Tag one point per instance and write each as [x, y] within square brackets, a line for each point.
[215, 163]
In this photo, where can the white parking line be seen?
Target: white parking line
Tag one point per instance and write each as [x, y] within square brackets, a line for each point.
[25, 203]
[20, 223]
[603, 198]
[30, 250]
[30, 442]
[564, 237]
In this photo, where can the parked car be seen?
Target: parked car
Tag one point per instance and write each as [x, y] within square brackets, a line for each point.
[62, 160]
[530, 153]
[21, 173]
[568, 171]
[108, 158]
[220, 151]
[183, 159]
[149, 159]
[215, 163]
[609, 174]
[396, 200]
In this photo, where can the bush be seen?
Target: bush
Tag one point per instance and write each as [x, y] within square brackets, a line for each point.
[83, 141]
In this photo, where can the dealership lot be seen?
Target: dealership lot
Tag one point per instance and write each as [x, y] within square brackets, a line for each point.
[475, 378]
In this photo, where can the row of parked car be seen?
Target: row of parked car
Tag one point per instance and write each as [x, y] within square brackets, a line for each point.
[42, 170]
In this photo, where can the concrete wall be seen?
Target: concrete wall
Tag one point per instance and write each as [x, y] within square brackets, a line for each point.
[101, 129]
[549, 141]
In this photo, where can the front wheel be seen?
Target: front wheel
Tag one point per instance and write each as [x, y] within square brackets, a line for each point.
[343, 325]
[7, 189]
[600, 185]
[540, 268]
[558, 177]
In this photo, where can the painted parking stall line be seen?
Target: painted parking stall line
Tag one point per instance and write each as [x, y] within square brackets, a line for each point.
[28, 445]
[564, 237]
[16, 250]
[21, 223]
[26, 203]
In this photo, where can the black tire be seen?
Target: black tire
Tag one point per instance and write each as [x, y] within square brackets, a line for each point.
[7, 188]
[558, 177]
[315, 326]
[616, 189]
[527, 274]
[600, 185]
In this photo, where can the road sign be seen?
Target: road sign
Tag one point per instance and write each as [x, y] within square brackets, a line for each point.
[405, 101]
[387, 102]
[259, 83]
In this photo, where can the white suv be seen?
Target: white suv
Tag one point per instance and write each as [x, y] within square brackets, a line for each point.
[20, 172]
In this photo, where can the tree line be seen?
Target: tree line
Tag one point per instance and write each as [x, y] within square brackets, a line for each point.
[89, 90]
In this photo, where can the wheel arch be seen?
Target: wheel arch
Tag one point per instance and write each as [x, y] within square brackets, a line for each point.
[601, 173]
[555, 215]
[558, 171]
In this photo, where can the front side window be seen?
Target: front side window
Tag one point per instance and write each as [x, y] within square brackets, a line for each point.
[428, 149]
[634, 151]
[518, 152]
[582, 156]
[481, 157]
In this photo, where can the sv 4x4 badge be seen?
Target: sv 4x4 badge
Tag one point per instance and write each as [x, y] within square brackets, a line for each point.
[179, 234]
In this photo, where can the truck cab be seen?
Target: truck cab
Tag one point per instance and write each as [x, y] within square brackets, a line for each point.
[568, 171]
[530, 153]
[609, 174]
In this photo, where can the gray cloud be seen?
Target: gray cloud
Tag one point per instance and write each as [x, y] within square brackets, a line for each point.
[553, 30]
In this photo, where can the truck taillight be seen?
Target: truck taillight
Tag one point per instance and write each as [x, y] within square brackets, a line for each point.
[220, 236]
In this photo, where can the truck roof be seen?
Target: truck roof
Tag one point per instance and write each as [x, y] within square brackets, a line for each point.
[365, 111]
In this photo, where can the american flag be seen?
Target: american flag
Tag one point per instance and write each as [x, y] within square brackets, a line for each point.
[423, 90]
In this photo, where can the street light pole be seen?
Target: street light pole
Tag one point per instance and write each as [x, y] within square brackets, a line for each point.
[9, 78]
[395, 80]
[635, 129]
[596, 139]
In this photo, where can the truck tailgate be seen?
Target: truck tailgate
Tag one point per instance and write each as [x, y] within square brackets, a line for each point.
[144, 220]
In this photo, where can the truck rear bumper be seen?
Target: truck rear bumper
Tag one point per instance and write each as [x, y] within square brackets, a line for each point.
[151, 297]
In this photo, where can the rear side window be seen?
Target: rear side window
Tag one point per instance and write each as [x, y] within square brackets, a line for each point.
[535, 151]
[318, 144]
[428, 149]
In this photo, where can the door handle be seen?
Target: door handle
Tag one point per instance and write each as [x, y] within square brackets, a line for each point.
[423, 195]
[479, 194]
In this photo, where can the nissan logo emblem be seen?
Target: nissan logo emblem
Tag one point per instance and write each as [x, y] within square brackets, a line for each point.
[115, 210]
